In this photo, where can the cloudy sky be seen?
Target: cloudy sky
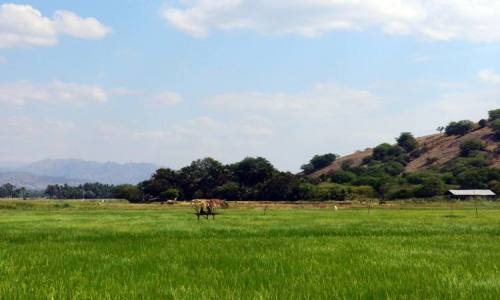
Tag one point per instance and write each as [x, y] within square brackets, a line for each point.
[171, 81]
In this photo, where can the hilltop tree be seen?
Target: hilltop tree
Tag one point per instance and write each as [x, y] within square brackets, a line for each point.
[459, 128]
[319, 162]
[407, 142]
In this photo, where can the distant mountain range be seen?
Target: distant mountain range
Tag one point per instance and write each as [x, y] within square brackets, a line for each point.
[39, 174]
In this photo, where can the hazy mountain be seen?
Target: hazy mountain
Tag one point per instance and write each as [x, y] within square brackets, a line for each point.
[90, 171]
[7, 166]
[34, 182]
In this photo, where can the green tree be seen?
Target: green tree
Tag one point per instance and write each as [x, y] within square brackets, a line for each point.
[282, 186]
[469, 146]
[494, 115]
[496, 128]
[201, 177]
[341, 176]
[228, 191]
[170, 194]
[459, 128]
[430, 187]
[162, 180]
[386, 152]
[252, 171]
[319, 162]
[128, 192]
[407, 142]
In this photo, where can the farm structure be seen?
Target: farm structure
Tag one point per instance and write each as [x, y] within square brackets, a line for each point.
[465, 194]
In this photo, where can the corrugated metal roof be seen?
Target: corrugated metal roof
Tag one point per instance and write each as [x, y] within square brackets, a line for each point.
[472, 192]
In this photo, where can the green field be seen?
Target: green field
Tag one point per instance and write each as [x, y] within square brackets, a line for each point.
[92, 250]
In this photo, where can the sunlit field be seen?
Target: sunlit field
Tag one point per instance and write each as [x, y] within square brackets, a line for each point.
[115, 250]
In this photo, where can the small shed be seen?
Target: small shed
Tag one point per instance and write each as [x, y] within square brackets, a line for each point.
[463, 194]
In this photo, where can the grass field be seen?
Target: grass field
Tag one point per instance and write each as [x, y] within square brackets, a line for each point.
[92, 250]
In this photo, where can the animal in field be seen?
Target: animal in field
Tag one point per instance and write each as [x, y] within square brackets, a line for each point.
[206, 207]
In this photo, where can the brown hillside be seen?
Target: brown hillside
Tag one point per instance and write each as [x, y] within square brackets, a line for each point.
[437, 149]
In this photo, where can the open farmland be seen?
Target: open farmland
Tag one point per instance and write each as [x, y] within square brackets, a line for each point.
[72, 249]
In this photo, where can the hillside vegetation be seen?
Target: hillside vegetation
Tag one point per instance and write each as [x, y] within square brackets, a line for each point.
[464, 155]
[435, 151]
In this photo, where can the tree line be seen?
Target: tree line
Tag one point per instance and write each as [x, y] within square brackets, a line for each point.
[380, 175]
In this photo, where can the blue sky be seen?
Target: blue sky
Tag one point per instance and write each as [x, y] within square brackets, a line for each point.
[172, 81]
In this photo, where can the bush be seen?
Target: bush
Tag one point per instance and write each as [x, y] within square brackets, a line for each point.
[364, 191]
[407, 142]
[494, 114]
[385, 152]
[430, 187]
[319, 162]
[469, 146]
[459, 128]
[332, 191]
[342, 176]
[495, 186]
[496, 128]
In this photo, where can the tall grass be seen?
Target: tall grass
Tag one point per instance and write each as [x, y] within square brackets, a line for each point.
[118, 251]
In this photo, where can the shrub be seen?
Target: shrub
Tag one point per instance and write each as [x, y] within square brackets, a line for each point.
[342, 176]
[319, 162]
[494, 114]
[496, 128]
[483, 123]
[364, 191]
[332, 191]
[385, 152]
[495, 186]
[459, 128]
[469, 146]
[407, 142]
[430, 187]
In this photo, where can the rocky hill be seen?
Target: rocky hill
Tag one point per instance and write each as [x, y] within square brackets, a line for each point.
[436, 150]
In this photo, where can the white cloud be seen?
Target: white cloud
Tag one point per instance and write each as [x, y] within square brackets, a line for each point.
[489, 76]
[477, 21]
[25, 26]
[56, 92]
[166, 98]
[69, 23]
[323, 100]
